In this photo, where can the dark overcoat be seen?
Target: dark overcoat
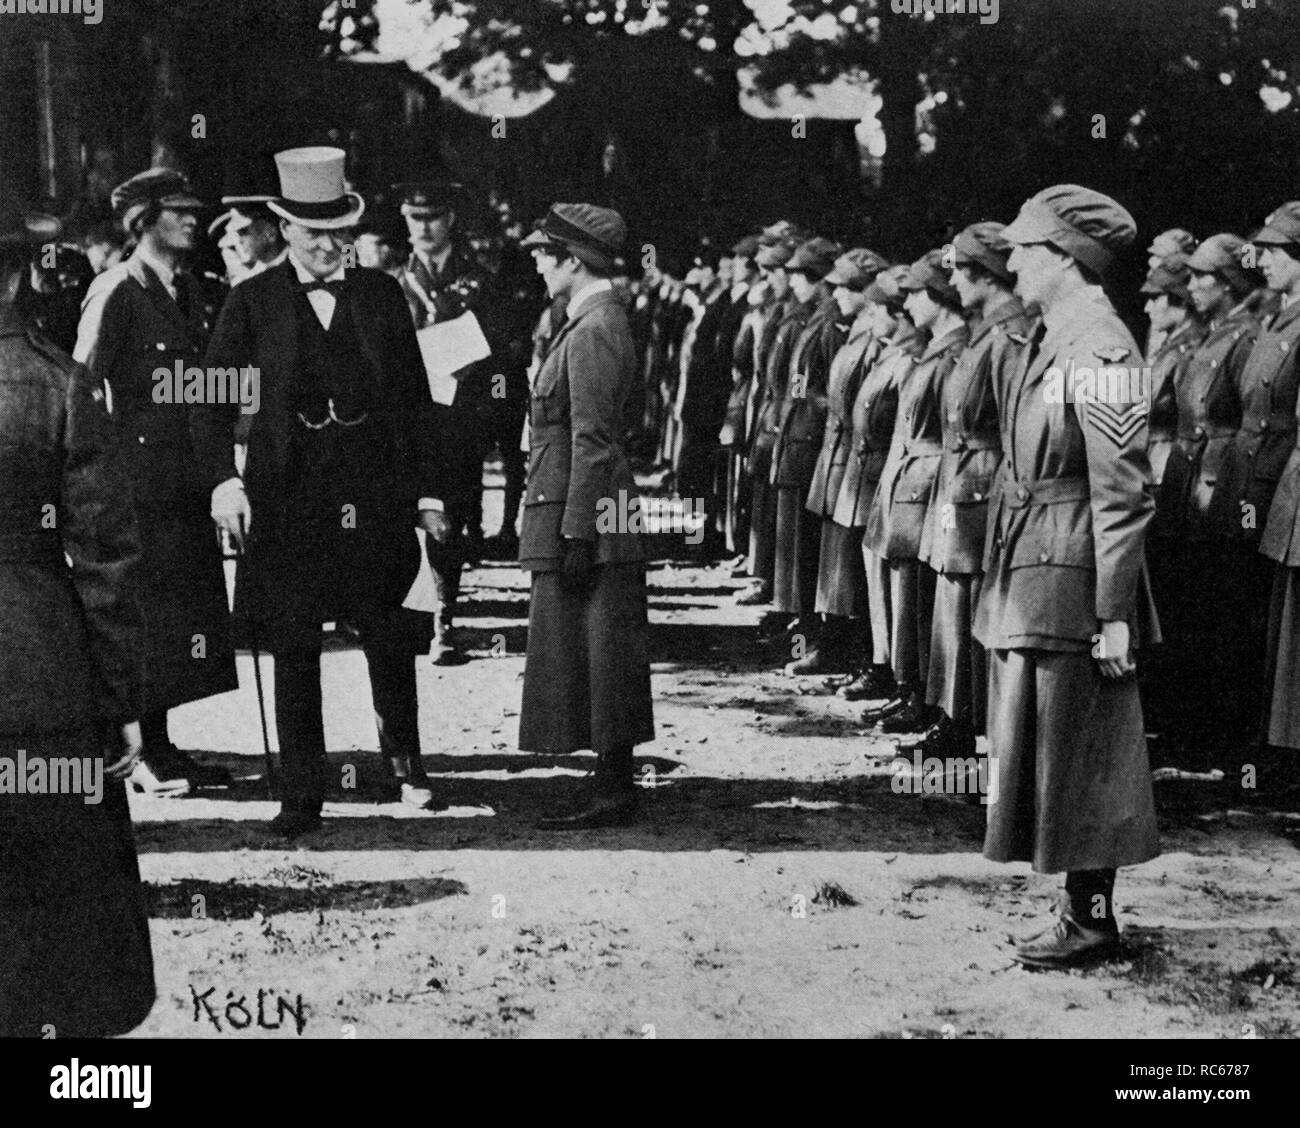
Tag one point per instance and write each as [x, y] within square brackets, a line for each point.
[587, 671]
[132, 336]
[1168, 370]
[847, 369]
[258, 326]
[74, 937]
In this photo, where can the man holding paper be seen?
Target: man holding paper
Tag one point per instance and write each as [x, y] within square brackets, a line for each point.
[449, 292]
[342, 466]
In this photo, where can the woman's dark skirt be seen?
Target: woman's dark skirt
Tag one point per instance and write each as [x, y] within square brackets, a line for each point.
[587, 672]
[841, 576]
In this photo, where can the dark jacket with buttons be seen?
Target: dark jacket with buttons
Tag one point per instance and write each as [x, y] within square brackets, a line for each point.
[848, 367]
[132, 336]
[1069, 515]
[957, 517]
[580, 484]
[1209, 415]
[874, 410]
[73, 649]
[802, 418]
[897, 516]
[1258, 454]
[1168, 370]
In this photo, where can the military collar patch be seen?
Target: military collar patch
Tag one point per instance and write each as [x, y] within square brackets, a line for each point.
[1112, 355]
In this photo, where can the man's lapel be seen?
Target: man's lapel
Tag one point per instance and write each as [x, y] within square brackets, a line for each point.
[157, 292]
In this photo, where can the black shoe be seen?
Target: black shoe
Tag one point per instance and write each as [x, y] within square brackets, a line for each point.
[200, 775]
[819, 661]
[600, 811]
[874, 684]
[446, 649]
[896, 704]
[932, 742]
[291, 824]
[913, 718]
[1068, 944]
[756, 594]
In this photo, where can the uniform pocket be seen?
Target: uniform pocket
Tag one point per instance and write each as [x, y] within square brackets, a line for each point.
[1065, 550]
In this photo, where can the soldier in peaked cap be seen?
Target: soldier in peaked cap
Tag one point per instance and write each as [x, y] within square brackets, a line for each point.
[952, 543]
[145, 315]
[1251, 481]
[256, 231]
[1063, 587]
[342, 467]
[444, 280]
[1208, 596]
[897, 520]
[587, 672]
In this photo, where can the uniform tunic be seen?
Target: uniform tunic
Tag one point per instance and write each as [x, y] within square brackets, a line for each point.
[952, 542]
[132, 327]
[734, 436]
[802, 421]
[841, 581]
[1063, 553]
[74, 935]
[587, 672]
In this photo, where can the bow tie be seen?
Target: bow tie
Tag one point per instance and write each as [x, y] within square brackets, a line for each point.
[334, 288]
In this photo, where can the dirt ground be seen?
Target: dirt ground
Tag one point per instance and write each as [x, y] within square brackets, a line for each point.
[778, 885]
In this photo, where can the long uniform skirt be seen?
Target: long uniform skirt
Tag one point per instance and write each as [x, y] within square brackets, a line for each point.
[879, 605]
[798, 548]
[841, 576]
[1069, 779]
[911, 597]
[958, 674]
[587, 671]
[762, 514]
[75, 958]
[1282, 681]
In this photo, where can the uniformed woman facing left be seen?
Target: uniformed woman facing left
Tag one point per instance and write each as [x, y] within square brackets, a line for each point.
[74, 937]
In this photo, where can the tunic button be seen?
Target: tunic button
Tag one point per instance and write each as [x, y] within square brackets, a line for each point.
[1198, 432]
[1214, 364]
[142, 440]
[160, 346]
[1266, 381]
[979, 497]
[1263, 424]
[1022, 493]
[1043, 557]
[541, 497]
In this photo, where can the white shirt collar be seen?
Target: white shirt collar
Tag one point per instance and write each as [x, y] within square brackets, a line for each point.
[591, 289]
[305, 275]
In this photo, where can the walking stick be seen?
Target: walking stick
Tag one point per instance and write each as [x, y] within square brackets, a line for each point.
[257, 676]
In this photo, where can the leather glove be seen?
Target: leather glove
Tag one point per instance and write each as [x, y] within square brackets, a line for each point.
[231, 511]
[579, 565]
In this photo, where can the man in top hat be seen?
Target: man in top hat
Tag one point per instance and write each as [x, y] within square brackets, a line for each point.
[1063, 584]
[341, 468]
[74, 931]
[443, 280]
[587, 672]
[142, 320]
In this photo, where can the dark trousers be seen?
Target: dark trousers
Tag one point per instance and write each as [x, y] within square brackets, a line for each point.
[447, 560]
[157, 750]
[390, 656]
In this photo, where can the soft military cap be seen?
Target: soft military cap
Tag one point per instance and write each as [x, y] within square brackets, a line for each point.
[1169, 276]
[855, 269]
[1085, 224]
[746, 247]
[927, 273]
[814, 258]
[779, 231]
[1282, 227]
[986, 245]
[772, 255]
[162, 186]
[887, 287]
[1175, 241]
[1221, 256]
[592, 234]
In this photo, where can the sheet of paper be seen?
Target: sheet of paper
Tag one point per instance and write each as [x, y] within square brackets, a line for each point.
[447, 347]
[423, 595]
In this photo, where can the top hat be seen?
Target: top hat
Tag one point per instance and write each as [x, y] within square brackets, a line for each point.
[312, 189]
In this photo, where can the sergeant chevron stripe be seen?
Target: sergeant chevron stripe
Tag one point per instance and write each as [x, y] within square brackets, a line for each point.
[1118, 422]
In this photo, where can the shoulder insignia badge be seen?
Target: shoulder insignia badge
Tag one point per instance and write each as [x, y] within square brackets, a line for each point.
[1019, 338]
[1113, 354]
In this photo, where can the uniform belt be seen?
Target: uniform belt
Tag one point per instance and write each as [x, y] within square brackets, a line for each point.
[551, 433]
[975, 442]
[31, 548]
[921, 447]
[1273, 421]
[1043, 491]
